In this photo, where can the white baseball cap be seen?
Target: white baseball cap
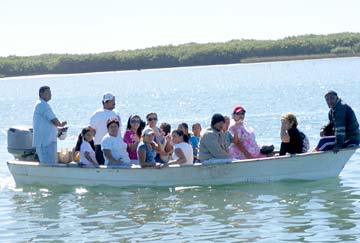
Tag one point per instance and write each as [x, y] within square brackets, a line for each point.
[108, 96]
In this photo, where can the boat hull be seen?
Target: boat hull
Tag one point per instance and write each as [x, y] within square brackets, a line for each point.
[310, 166]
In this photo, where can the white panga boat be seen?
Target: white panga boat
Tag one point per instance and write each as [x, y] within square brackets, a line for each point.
[309, 166]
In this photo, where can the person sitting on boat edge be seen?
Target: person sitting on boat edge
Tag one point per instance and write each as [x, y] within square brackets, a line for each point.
[87, 148]
[99, 120]
[244, 144]
[45, 128]
[194, 140]
[183, 152]
[343, 127]
[212, 142]
[293, 141]
[132, 135]
[114, 147]
[147, 150]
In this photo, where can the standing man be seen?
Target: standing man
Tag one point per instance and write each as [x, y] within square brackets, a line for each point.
[342, 123]
[98, 123]
[212, 142]
[45, 125]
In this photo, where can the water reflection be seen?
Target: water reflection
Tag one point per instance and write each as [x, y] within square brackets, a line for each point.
[300, 211]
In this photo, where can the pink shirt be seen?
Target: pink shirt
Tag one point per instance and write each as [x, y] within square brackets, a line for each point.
[128, 139]
[247, 138]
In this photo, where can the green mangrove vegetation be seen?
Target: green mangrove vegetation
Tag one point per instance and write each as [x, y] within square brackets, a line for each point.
[191, 54]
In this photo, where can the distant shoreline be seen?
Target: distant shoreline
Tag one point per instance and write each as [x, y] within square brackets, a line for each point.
[246, 61]
[186, 55]
[295, 58]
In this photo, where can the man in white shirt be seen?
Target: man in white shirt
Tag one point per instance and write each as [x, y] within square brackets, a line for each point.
[45, 125]
[98, 123]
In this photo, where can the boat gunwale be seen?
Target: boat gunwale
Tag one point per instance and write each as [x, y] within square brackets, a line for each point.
[229, 162]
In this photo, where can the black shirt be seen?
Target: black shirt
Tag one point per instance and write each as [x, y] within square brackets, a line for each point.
[295, 145]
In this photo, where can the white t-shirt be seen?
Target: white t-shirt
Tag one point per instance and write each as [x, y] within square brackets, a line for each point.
[117, 147]
[45, 131]
[187, 151]
[86, 147]
[98, 122]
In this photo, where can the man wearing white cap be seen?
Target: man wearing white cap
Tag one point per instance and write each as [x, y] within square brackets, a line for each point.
[98, 123]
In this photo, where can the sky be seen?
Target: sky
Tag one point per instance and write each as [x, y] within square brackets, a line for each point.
[33, 27]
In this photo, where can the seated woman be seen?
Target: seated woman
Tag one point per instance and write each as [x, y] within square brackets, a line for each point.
[185, 128]
[183, 151]
[244, 145]
[87, 148]
[147, 150]
[133, 134]
[113, 147]
[291, 138]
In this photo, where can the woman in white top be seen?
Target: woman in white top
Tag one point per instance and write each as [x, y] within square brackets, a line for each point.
[114, 147]
[183, 151]
[87, 151]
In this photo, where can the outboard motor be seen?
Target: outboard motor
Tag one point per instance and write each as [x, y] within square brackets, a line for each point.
[20, 144]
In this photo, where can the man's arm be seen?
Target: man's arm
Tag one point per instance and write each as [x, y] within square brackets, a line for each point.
[57, 123]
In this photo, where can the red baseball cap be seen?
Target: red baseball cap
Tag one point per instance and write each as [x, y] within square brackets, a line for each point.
[238, 108]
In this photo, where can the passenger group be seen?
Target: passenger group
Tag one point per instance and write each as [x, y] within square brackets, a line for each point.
[146, 145]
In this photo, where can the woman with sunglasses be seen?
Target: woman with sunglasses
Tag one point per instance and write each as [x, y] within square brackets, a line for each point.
[132, 135]
[159, 137]
[244, 145]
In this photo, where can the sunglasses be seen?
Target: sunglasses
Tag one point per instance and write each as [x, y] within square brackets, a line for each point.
[240, 113]
[135, 121]
[152, 119]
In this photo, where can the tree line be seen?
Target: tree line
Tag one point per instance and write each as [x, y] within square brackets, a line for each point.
[191, 54]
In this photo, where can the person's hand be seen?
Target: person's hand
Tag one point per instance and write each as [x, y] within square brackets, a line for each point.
[168, 138]
[63, 123]
[159, 165]
[248, 155]
[322, 133]
[134, 138]
[237, 124]
[336, 150]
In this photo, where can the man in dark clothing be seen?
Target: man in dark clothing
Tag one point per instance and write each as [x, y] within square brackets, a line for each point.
[343, 124]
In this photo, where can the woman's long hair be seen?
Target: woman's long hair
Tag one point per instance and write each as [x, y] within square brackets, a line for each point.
[141, 127]
[182, 134]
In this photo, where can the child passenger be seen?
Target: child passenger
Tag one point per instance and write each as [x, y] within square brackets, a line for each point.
[114, 147]
[87, 148]
[194, 140]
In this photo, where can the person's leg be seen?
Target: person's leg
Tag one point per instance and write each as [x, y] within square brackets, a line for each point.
[326, 143]
[53, 155]
[41, 153]
[351, 143]
[47, 154]
[99, 155]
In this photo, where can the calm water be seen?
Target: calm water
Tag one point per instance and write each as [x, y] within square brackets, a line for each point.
[322, 211]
